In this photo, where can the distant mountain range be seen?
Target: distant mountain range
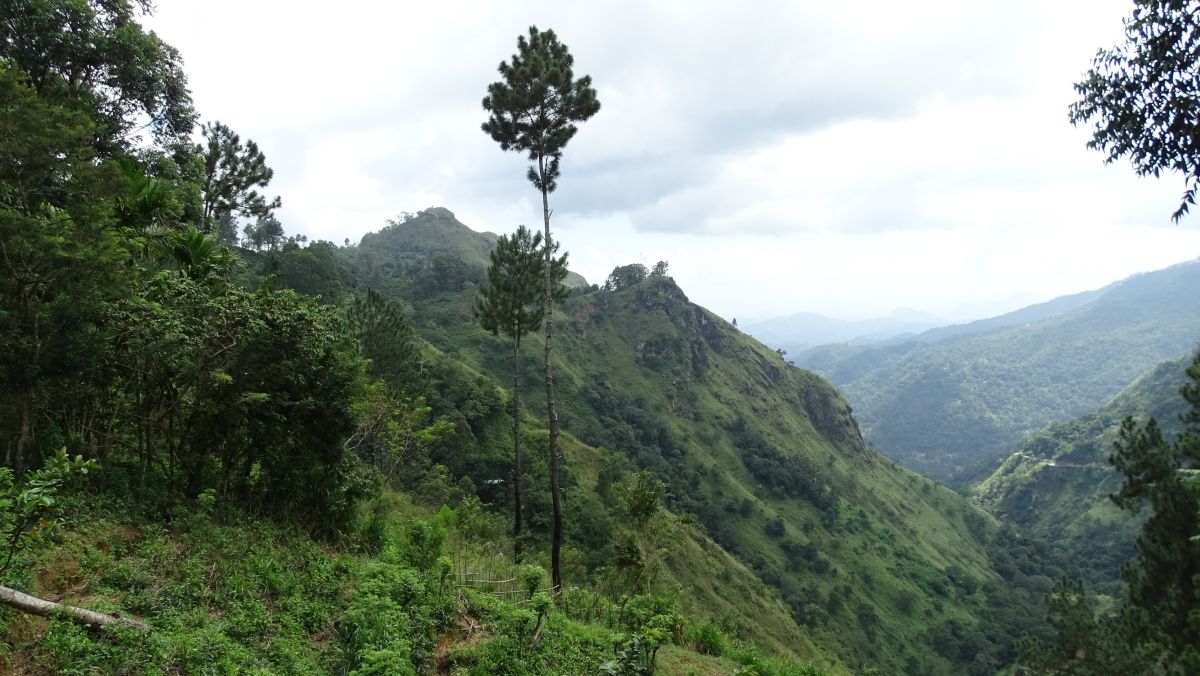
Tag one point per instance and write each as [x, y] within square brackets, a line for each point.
[804, 330]
[946, 399]
[1025, 315]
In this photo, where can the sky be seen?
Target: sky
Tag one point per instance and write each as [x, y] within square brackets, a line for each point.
[850, 159]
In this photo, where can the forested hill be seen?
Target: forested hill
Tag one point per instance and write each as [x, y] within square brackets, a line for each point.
[427, 234]
[873, 561]
[942, 407]
[421, 238]
[1056, 484]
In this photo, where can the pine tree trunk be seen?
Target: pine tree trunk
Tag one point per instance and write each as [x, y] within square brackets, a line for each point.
[551, 408]
[516, 478]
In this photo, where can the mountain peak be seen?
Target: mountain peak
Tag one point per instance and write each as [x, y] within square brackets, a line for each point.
[438, 212]
[435, 231]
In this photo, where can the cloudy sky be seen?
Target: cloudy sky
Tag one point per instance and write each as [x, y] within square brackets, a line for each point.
[843, 158]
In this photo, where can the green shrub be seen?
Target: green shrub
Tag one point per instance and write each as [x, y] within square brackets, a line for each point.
[393, 661]
[532, 578]
[708, 639]
[425, 543]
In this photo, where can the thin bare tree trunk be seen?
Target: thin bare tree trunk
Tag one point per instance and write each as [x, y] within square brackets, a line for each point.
[517, 448]
[35, 606]
[551, 408]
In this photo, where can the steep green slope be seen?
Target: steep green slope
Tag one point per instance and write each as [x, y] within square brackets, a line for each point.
[943, 407]
[709, 584]
[772, 463]
[1056, 484]
[878, 564]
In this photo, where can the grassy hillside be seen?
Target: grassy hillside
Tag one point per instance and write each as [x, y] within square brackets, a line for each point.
[1056, 484]
[871, 561]
[939, 408]
[227, 592]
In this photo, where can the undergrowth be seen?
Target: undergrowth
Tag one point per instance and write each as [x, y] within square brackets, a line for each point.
[226, 592]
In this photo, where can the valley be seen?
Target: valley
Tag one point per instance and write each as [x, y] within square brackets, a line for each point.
[949, 402]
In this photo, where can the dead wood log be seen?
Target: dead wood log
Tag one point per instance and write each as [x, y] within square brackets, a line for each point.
[32, 604]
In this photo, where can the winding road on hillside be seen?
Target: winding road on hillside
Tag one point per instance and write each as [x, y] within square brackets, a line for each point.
[1058, 463]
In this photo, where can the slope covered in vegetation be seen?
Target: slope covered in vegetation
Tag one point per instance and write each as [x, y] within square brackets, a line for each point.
[294, 457]
[227, 592]
[1056, 484]
[942, 408]
[766, 457]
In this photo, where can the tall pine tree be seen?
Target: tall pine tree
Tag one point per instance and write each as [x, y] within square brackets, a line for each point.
[389, 341]
[1163, 577]
[512, 304]
[533, 109]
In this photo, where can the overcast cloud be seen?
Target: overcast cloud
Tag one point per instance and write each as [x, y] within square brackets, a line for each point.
[843, 158]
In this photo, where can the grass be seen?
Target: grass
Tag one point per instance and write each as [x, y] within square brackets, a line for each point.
[235, 595]
[226, 592]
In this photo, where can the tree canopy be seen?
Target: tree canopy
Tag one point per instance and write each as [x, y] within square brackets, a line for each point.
[535, 107]
[1143, 96]
[94, 53]
[511, 303]
[232, 172]
[624, 276]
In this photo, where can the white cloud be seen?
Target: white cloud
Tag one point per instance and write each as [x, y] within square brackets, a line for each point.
[846, 158]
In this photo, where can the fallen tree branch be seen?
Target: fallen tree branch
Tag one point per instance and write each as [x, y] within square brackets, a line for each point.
[32, 604]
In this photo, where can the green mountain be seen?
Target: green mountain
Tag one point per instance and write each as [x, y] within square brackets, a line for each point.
[420, 238]
[1056, 484]
[431, 233]
[872, 562]
[723, 510]
[944, 407]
